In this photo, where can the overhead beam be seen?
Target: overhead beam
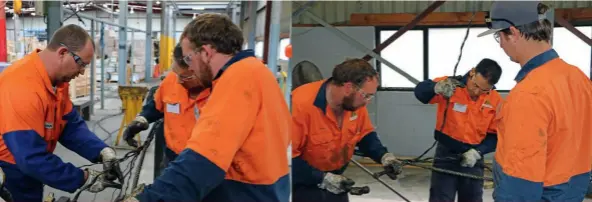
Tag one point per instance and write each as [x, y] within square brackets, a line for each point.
[407, 27]
[107, 22]
[564, 23]
[359, 46]
[450, 18]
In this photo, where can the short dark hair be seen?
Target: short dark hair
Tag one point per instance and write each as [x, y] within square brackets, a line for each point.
[216, 30]
[356, 71]
[72, 36]
[540, 30]
[178, 56]
[489, 69]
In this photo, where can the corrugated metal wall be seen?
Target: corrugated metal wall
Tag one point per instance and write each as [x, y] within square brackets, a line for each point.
[340, 11]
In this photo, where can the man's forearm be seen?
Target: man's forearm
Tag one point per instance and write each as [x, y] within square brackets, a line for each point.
[371, 147]
[488, 144]
[304, 174]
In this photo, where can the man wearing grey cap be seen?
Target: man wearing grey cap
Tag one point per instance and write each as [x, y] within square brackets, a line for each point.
[545, 125]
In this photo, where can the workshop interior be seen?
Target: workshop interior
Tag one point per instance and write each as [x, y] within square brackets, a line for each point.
[300, 42]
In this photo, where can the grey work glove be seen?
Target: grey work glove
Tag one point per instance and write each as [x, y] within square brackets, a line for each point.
[132, 196]
[336, 184]
[470, 158]
[447, 87]
[96, 182]
[392, 165]
[139, 124]
[111, 165]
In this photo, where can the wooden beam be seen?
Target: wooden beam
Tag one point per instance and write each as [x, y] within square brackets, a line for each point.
[451, 18]
[573, 30]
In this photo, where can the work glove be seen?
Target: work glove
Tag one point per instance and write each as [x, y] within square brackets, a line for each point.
[470, 158]
[336, 184]
[392, 165]
[111, 165]
[447, 86]
[132, 196]
[139, 124]
[96, 182]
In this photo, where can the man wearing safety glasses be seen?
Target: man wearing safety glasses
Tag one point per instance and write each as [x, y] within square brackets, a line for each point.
[329, 120]
[465, 128]
[37, 114]
[544, 150]
[178, 100]
[237, 149]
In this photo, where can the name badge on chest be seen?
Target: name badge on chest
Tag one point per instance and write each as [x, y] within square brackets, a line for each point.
[460, 107]
[173, 108]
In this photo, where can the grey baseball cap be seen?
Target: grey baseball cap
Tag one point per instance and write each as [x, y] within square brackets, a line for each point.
[504, 14]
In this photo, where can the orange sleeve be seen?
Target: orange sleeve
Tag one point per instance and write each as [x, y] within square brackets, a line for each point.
[299, 129]
[523, 134]
[24, 109]
[493, 124]
[227, 119]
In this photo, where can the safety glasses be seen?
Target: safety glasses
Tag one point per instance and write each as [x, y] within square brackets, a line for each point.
[489, 21]
[77, 58]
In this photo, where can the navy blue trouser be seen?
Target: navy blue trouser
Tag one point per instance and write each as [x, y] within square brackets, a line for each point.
[444, 187]
[313, 193]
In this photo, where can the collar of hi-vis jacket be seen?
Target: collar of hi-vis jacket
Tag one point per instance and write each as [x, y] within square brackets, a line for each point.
[238, 57]
[535, 62]
[321, 99]
[42, 71]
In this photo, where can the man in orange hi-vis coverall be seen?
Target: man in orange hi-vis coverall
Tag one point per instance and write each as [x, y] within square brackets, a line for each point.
[37, 113]
[544, 130]
[237, 150]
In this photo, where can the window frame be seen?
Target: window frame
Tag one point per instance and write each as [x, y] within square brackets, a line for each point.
[426, 43]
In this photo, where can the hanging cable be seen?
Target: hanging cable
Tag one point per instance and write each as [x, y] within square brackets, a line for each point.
[418, 159]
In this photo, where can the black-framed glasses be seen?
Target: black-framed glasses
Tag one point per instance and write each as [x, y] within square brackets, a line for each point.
[77, 58]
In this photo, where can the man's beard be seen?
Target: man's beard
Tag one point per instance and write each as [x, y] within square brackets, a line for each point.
[205, 75]
[348, 103]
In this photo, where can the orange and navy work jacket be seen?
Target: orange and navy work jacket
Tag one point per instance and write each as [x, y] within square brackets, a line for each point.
[35, 117]
[545, 133]
[318, 144]
[462, 123]
[237, 150]
[173, 103]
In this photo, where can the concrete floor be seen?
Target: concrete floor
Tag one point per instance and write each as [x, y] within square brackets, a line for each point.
[413, 184]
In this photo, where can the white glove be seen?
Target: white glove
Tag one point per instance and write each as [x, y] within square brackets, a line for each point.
[470, 158]
[336, 184]
[132, 196]
[110, 165]
[446, 87]
[98, 185]
[392, 165]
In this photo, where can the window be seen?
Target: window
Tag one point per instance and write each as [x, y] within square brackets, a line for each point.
[444, 47]
[259, 49]
[407, 54]
[572, 49]
[282, 50]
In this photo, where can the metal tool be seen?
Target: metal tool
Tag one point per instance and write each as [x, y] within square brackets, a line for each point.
[377, 177]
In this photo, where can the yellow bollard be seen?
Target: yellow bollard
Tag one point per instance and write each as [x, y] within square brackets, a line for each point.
[283, 81]
[132, 98]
